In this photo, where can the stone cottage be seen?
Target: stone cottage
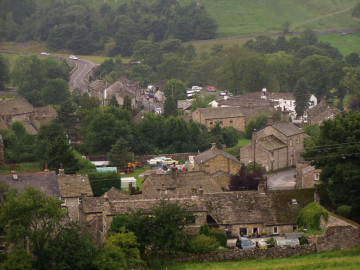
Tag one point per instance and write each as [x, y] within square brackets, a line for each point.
[226, 116]
[71, 187]
[216, 160]
[235, 213]
[20, 109]
[275, 146]
[322, 111]
[307, 176]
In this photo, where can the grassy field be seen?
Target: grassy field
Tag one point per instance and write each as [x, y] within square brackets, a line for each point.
[136, 174]
[21, 168]
[345, 43]
[341, 259]
[242, 142]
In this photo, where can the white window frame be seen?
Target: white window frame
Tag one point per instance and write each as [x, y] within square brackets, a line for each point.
[317, 176]
[276, 230]
[79, 200]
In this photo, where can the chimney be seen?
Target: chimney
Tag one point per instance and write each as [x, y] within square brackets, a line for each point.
[13, 168]
[213, 145]
[270, 119]
[46, 168]
[61, 170]
[317, 196]
[284, 116]
[173, 172]
[194, 191]
[207, 168]
[201, 192]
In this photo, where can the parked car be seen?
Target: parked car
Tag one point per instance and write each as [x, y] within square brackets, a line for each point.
[170, 161]
[211, 88]
[73, 57]
[45, 53]
[196, 89]
[155, 160]
[158, 110]
[244, 243]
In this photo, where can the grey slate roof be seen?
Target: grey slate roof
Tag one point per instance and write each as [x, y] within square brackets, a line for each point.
[286, 128]
[44, 181]
[211, 153]
[220, 112]
[72, 185]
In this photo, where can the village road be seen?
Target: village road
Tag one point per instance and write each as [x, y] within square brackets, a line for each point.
[282, 180]
[78, 75]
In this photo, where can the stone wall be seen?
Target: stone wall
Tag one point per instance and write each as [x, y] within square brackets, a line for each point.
[336, 237]
[175, 156]
[240, 254]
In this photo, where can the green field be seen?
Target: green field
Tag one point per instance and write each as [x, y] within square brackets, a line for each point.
[236, 17]
[341, 259]
[345, 43]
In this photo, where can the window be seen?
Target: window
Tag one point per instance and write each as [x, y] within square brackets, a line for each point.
[294, 228]
[316, 176]
[79, 200]
[231, 121]
[276, 230]
[63, 201]
[255, 230]
[221, 122]
[290, 143]
[211, 122]
[298, 140]
[191, 219]
[243, 231]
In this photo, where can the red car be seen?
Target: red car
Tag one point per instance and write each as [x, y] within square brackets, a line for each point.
[211, 88]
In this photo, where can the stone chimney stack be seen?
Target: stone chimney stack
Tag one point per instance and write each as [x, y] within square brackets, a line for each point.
[61, 170]
[207, 168]
[285, 116]
[317, 196]
[213, 145]
[174, 172]
[46, 168]
[270, 119]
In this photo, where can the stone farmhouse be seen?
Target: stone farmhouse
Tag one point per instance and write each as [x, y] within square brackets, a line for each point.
[20, 109]
[236, 213]
[307, 176]
[121, 88]
[215, 160]
[322, 111]
[227, 117]
[275, 146]
[71, 187]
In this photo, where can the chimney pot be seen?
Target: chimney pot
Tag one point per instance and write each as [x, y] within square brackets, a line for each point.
[213, 145]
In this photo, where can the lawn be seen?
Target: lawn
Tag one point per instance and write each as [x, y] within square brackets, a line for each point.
[340, 259]
[137, 172]
[242, 143]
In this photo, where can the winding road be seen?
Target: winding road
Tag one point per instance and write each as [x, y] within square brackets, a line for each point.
[83, 67]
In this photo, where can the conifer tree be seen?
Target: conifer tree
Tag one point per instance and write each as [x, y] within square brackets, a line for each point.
[302, 97]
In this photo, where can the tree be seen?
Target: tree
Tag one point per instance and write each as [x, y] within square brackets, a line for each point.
[286, 27]
[55, 91]
[231, 136]
[353, 59]
[245, 180]
[336, 153]
[175, 89]
[120, 252]
[4, 72]
[28, 220]
[119, 155]
[163, 229]
[113, 102]
[60, 153]
[257, 122]
[170, 107]
[127, 104]
[302, 97]
[47, 135]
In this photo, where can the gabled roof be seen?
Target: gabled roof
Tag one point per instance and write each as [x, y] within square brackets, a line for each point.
[44, 181]
[184, 104]
[286, 128]
[46, 111]
[211, 153]
[15, 106]
[72, 185]
[271, 143]
[220, 112]
[322, 111]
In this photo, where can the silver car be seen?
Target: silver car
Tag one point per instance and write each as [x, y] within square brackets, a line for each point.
[244, 243]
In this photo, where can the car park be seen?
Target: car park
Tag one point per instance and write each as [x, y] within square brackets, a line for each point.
[73, 57]
[244, 243]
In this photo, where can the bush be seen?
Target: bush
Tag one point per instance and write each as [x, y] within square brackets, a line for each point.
[204, 229]
[220, 236]
[309, 216]
[203, 244]
[344, 210]
[271, 242]
[303, 240]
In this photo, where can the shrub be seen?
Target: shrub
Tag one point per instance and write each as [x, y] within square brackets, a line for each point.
[344, 210]
[220, 236]
[303, 240]
[309, 216]
[203, 244]
[204, 229]
[271, 242]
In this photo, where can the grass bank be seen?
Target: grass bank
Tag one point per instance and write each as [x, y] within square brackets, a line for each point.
[340, 259]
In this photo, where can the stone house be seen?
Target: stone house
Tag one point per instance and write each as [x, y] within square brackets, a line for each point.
[275, 146]
[226, 116]
[307, 176]
[71, 187]
[20, 109]
[322, 111]
[43, 181]
[214, 160]
[184, 105]
[97, 88]
[235, 213]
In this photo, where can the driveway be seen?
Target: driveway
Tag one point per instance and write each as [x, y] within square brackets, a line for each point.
[281, 181]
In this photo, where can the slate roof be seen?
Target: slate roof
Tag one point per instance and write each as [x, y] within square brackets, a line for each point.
[15, 106]
[307, 169]
[183, 182]
[322, 111]
[220, 112]
[46, 111]
[184, 104]
[219, 173]
[44, 181]
[271, 143]
[286, 128]
[72, 185]
[211, 153]
[98, 85]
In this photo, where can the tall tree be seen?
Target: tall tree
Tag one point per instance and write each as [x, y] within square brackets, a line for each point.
[55, 91]
[119, 155]
[336, 152]
[127, 104]
[302, 97]
[175, 89]
[170, 107]
[4, 71]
